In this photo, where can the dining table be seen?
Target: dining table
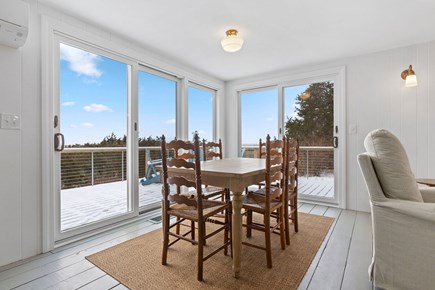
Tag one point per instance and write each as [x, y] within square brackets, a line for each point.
[235, 174]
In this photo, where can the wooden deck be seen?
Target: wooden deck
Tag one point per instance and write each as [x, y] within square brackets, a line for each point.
[340, 263]
[92, 203]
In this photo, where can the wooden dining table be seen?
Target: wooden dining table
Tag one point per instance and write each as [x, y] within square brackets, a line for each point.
[235, 174]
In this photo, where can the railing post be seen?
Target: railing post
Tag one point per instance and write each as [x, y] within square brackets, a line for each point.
[122, 165]
[306, 173]
[92, 168]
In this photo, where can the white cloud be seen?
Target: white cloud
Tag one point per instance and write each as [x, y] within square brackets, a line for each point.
[68, 104]
[96, 108]
[269, 119]
[73, 126]
[170, 121]
[80, 61]
[87, 125]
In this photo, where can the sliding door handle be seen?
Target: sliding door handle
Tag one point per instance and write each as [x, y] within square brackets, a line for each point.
[59, 142]
[335, 142]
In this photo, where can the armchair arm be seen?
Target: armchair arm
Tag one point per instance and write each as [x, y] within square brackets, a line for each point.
[423, 211]
[428, 194]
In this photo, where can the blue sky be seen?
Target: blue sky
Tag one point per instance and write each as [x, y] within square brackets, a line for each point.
[260, 112]
[93, 103]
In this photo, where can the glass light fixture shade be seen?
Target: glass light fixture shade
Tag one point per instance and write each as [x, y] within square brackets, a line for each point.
[411, 81]
[232, 43]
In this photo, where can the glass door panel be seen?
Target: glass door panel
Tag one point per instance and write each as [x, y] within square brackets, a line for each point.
[157, 116]
[93, 119]
[309, 117]
[259, 117]
[200, 112]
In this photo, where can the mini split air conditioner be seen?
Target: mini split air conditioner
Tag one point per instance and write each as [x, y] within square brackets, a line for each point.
[14, 22]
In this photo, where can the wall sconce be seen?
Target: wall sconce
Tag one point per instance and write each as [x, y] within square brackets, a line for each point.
[232, 42]
[409, 76]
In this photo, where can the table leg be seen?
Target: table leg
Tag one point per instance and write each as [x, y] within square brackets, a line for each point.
[237, 232]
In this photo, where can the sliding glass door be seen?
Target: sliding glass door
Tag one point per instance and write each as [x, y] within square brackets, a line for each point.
[309, 117]
[301, 111]
[157, 102]
[91, 140]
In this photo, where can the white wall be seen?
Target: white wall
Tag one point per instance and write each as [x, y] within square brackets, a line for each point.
[375, 98]
[21, 150]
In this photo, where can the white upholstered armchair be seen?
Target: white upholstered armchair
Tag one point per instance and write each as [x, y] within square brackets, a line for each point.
[403, 216]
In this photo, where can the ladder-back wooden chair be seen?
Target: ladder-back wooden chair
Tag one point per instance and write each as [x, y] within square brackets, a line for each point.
[291, 187]
[211, 151]
[182, 172]
[268, 199]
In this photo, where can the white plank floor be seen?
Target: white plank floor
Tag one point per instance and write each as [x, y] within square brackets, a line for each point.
[341, 262]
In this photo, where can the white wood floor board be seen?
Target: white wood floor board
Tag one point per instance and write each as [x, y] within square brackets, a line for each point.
[79, 280]
[319, 210]
[306, 207]
[43, 259]
[329, 272]
[105, 282]
[360, 255]
[330, 212]
[77, 257]
[56, 277]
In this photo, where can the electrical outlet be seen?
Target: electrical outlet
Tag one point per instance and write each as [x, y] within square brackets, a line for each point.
[10, 121]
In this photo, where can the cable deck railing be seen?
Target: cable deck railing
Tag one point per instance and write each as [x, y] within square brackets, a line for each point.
[89, 166]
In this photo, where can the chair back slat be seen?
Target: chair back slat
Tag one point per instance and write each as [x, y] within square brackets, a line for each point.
[181, 181]
[211, 150]
[179, 144]
[278, 160]
[182, 199]
[277, 176]
[175, 162]
[185, 155]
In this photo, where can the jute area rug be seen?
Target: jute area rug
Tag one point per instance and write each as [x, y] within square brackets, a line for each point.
[137, 263]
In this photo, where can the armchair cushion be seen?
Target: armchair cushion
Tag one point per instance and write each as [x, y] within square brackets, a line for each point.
[392, 166]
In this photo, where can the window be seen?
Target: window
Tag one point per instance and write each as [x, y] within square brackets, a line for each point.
[200, 111]
[259, 117]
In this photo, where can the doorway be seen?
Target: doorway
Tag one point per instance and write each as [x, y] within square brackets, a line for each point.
[91, 157]
[309, 108]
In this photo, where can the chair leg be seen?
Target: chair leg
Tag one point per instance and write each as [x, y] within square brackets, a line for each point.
[165, 238]
[287, 224]
[282, 232]
[226, 232]
[177, 227]
[249, 224]
[192, 230]
[267, 238]
[201, 226]
[295, 213]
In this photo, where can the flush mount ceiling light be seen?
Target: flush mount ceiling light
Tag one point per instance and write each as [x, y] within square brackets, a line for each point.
[232, 43]
[409, 76]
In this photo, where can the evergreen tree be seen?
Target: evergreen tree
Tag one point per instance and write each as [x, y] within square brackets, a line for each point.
[315, 116]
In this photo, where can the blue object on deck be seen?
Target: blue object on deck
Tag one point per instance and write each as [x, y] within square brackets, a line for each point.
[152, 175]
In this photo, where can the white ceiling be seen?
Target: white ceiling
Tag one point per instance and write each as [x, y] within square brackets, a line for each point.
[279, 34]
